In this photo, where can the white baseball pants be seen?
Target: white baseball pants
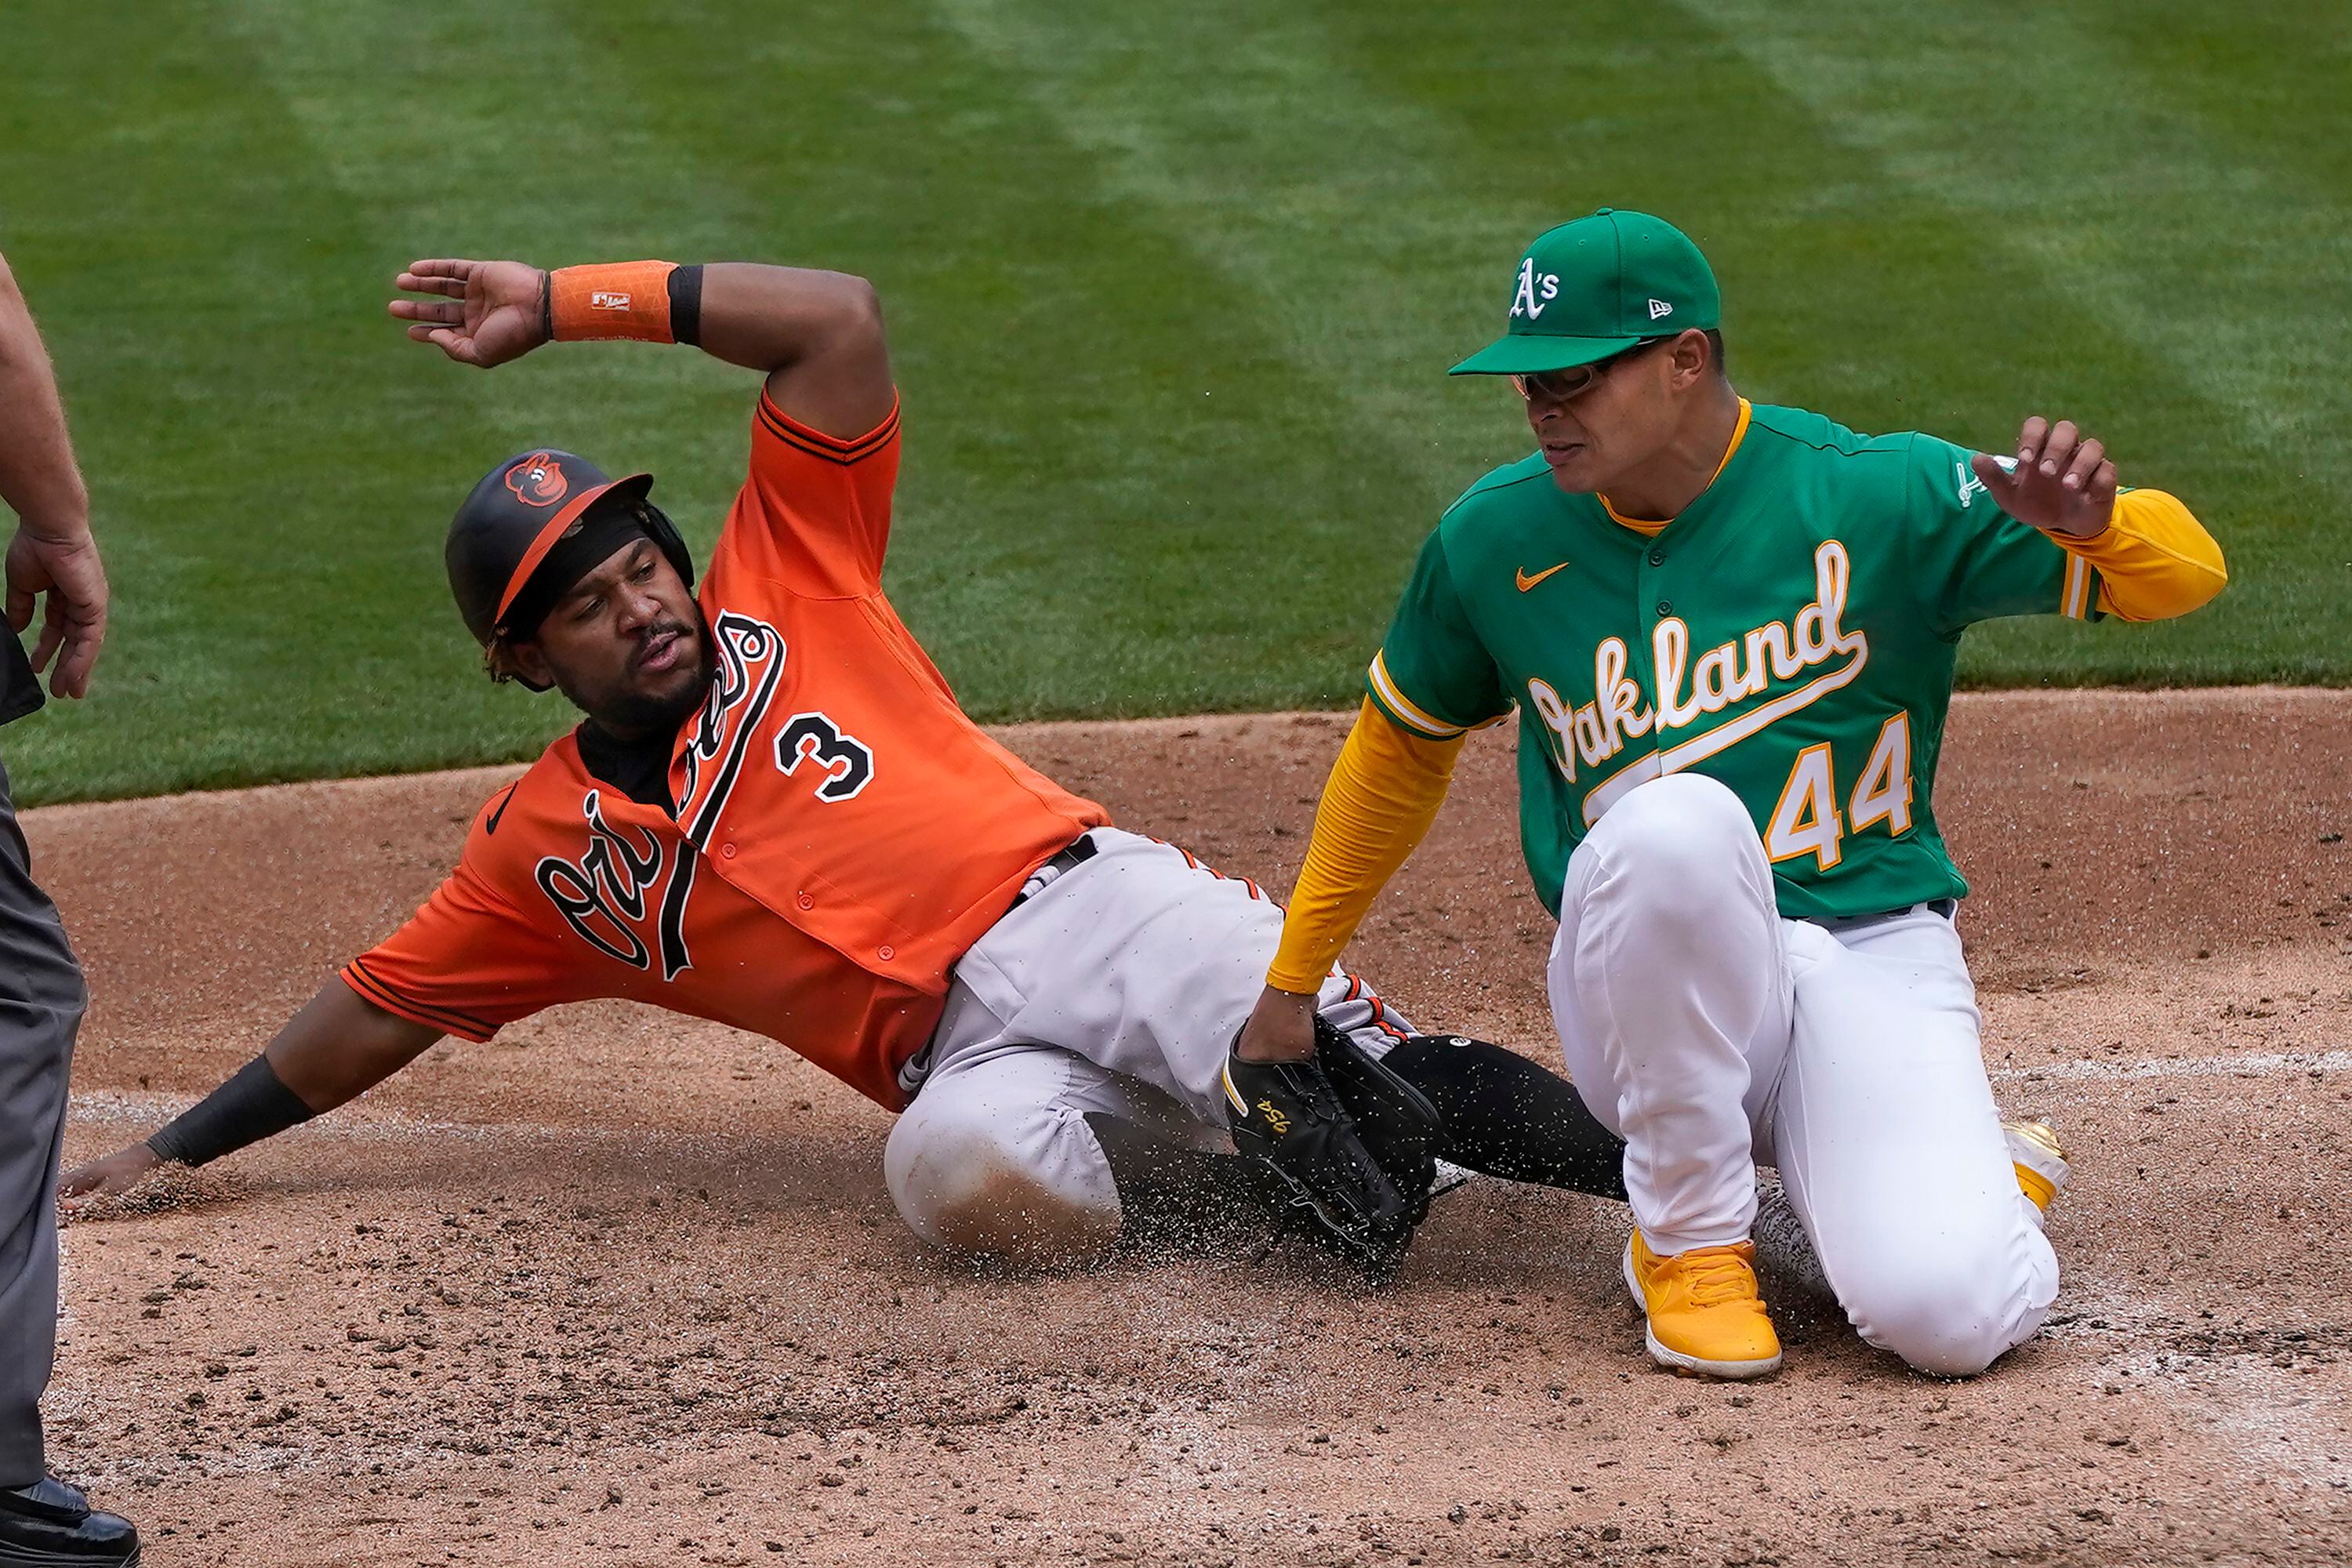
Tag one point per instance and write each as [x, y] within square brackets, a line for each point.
[1117, 986]
[1714, 1035]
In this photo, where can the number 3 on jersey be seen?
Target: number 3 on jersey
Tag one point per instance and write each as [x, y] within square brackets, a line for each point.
[1806, 820]
[847, 762]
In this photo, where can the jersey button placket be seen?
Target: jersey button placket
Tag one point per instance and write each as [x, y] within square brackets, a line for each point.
[726, 851]
[1648, 580]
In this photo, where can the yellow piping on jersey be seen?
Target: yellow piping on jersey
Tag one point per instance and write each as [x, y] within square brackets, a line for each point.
[1404, 707]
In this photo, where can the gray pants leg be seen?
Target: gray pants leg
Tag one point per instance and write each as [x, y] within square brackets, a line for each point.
[41, 1001]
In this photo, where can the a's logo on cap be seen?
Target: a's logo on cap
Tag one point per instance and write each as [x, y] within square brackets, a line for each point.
[538, 479]
[1536, 290]
[1660, 308]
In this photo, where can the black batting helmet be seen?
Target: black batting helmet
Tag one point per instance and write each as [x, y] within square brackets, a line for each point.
[514, 517]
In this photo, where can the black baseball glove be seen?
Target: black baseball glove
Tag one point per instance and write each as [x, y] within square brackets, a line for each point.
[1351, 1145]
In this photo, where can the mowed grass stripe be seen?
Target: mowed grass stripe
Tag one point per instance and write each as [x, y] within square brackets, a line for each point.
[1227, 165]
[2264, 80]
[1170, 298]
[1374, 273]
[2139, 215]
[187, 256]
[1855, 289]
[2171, 263]
[1120, 494]
[450, 161]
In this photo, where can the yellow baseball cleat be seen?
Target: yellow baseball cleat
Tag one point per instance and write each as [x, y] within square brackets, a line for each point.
[2040, 1160]
[1706, 1315]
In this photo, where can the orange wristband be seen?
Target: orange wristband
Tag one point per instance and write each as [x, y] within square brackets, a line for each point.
[610, 300]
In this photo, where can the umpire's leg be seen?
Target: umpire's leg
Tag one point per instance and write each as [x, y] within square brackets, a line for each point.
[41, 1001]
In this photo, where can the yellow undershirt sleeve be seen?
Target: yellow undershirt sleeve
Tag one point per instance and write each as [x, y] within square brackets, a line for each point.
[1383, 792]
[2155, 560]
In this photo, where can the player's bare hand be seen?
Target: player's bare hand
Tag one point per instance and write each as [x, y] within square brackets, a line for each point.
[110, 1177]
[1281, 1028]
[2062, 483]
[65, 572]
[489, 311]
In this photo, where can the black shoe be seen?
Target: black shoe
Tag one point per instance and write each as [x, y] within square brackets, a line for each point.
[51, 1525]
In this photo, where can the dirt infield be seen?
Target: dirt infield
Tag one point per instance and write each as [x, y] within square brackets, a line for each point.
[618, 1288]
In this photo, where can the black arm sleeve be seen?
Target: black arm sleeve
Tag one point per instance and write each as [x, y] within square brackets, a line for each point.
[251, 1106]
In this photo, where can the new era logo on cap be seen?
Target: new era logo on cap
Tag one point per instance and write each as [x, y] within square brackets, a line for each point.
[1660, 308]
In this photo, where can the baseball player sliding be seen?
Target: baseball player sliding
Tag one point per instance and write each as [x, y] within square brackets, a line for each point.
[1730, 632]
[774, 816]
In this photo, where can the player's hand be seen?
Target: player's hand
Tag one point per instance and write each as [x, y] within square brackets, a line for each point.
[2063, 482]
[110, 1177]
[1281, 1028]
[65, 570]
[490, 312]
[1349, 1145]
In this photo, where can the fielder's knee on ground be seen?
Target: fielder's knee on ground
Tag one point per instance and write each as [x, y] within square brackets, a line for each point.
[1952, 1287]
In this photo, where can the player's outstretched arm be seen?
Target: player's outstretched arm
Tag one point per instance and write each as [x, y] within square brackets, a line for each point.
[2155, 560]
[1382, 795]
[338, 1047]
[816, 334]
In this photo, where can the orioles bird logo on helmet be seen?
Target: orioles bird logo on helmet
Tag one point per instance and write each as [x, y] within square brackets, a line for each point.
[538, 479]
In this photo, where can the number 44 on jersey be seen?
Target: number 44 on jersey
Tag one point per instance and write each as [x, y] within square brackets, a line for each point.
[1806, 821]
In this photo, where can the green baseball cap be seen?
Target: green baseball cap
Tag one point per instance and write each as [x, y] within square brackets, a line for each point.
[1589, 288]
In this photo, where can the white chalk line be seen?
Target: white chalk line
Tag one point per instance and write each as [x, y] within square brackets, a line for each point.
[2245, 1066]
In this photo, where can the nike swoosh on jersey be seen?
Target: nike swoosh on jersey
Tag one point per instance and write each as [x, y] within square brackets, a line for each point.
[492, 827]
[1527, 582]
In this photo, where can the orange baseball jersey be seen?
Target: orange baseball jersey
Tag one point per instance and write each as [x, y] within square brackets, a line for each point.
[844, 833]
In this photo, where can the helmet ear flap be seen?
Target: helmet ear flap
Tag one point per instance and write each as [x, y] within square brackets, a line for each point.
[665, 534]
[501, 671]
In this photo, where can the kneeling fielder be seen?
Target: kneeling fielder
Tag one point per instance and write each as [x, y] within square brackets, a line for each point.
[1730, 632]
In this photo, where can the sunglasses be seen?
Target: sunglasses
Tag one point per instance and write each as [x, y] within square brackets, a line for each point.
[1559, 385]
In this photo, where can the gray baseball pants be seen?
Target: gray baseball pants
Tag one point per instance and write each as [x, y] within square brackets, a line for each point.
[41, 1001]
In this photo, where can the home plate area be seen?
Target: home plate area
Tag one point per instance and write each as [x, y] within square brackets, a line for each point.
[619, 1287]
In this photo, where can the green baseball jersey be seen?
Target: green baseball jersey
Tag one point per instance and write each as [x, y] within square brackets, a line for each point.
[1792, 634]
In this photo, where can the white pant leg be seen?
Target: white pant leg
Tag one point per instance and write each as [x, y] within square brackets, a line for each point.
[994, 1157]
[1670, 988]
[1118, 988]
[1144, 961]
[1887, 1138]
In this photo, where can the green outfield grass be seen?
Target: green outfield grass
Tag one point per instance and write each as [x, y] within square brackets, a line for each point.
[1172, 290]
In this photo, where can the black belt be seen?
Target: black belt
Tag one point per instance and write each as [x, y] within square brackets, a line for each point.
[1082, 850]
[1945, 907]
